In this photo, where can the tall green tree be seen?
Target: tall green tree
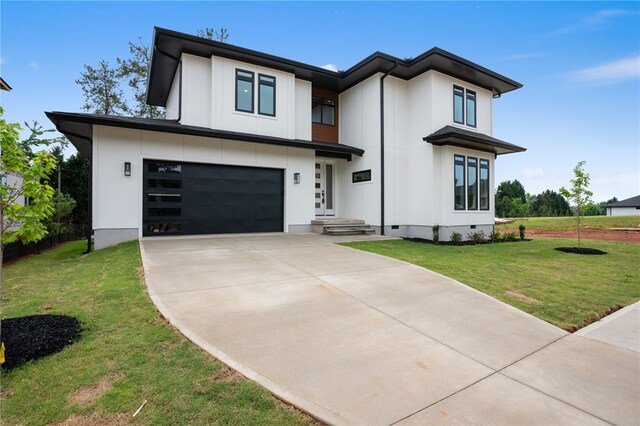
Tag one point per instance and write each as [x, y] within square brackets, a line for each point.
[101, 89]
[549, 203]
[102, 86]
[579, 193]
[23, 221]
[75, 182]
[511, 200]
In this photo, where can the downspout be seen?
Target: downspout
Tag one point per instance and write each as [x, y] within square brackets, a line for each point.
[395, 64]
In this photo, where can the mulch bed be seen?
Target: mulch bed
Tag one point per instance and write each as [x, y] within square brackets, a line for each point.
[580, 250]
[36, 336]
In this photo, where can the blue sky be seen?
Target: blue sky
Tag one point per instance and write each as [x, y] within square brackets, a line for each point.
[579, 63]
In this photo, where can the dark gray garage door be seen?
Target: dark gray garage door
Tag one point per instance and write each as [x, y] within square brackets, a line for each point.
[191, 198]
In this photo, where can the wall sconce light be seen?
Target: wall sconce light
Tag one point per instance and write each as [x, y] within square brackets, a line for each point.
[296, 178]
[127, 168]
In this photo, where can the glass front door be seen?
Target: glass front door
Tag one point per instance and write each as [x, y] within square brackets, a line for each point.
[324, 172]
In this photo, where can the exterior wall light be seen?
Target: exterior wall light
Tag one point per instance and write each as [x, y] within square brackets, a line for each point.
[296, 178]
[127, 168]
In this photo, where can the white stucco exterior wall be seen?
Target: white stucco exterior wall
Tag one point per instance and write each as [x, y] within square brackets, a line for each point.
[196, 91]
[117, 199]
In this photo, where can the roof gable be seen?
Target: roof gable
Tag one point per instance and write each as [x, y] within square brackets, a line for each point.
[168, 46]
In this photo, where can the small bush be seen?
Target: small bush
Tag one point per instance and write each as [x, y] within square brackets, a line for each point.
[476, 237]
[509, 237]
[456, 237]
[521, 229]
[436, 233]
[494, 236]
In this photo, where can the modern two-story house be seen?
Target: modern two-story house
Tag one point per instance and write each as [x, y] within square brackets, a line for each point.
[258, 143]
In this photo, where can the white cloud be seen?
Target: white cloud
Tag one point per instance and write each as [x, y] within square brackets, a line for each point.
[330, 67]
[611, 72]
[597, 20]
[532, 173]
[3, 60]
[34, 64]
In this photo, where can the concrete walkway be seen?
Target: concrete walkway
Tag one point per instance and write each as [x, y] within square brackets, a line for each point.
[357, 338]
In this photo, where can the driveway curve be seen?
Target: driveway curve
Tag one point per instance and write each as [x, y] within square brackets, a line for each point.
[356, 338]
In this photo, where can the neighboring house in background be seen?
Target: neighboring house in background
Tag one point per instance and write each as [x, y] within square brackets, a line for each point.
[628, 207]
[4, 85]
[14, 180]
[257, 143]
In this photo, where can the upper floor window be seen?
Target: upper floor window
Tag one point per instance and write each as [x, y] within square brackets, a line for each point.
[266, 95]
[323, 110]
[462, 108]
[458, 105]
[244, 91]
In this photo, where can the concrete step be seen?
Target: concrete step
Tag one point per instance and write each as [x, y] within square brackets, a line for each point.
[337, 221]
[348, 230]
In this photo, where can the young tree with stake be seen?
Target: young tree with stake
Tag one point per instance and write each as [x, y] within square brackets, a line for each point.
[578, 193]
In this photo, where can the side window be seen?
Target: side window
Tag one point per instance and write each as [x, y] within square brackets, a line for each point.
[458, 182]
[266, 95]
[471, 108]
[472, 183]
[244, 91]
[484, 184]
[458, 105]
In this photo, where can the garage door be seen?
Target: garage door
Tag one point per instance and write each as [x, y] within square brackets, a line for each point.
[191, 198]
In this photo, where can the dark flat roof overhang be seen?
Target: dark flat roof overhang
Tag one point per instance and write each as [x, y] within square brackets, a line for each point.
[168, 46]
[78, 128]
[462, 138]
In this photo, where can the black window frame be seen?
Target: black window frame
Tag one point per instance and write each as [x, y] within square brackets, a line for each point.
[468, 185]
[321, 104]
[250, 80]
[268, 84]
[462, 98]
[471, 95]
[460, 160]
[365, 173]
[484, 164]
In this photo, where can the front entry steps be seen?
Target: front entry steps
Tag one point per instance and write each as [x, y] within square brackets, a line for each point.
[338, 226]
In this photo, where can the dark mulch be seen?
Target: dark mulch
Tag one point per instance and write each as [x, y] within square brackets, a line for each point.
[461, 243]
[36, 336]
[580, 250]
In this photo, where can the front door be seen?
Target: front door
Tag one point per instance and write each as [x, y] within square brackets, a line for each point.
[324, 188]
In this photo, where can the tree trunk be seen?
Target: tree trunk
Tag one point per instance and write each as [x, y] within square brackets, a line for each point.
[579, 227]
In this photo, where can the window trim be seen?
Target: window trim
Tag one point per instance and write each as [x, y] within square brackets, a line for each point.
[477, 192]
[484, 164]
[268, 84]
[252, 81]
[456, 157]
[321, 104]
[468, 95]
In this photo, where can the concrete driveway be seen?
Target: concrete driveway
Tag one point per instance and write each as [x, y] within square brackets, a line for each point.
[357, 338]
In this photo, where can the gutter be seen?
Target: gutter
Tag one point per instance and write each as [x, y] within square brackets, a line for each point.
[395, 64]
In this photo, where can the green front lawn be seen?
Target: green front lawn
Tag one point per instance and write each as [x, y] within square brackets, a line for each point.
[599, 223]
[567, 290]
[127, 352]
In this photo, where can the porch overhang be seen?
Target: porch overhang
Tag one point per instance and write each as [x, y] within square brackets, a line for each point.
[78, 128]
[462, 138]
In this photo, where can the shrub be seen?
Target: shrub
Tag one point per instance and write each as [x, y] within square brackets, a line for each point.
[509, 237]
[456, 237]
[476, 237]
[436, 233]
[521, 229]
[495, 236]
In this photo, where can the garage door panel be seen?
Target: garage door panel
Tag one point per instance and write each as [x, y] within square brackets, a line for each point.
[190, 198]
